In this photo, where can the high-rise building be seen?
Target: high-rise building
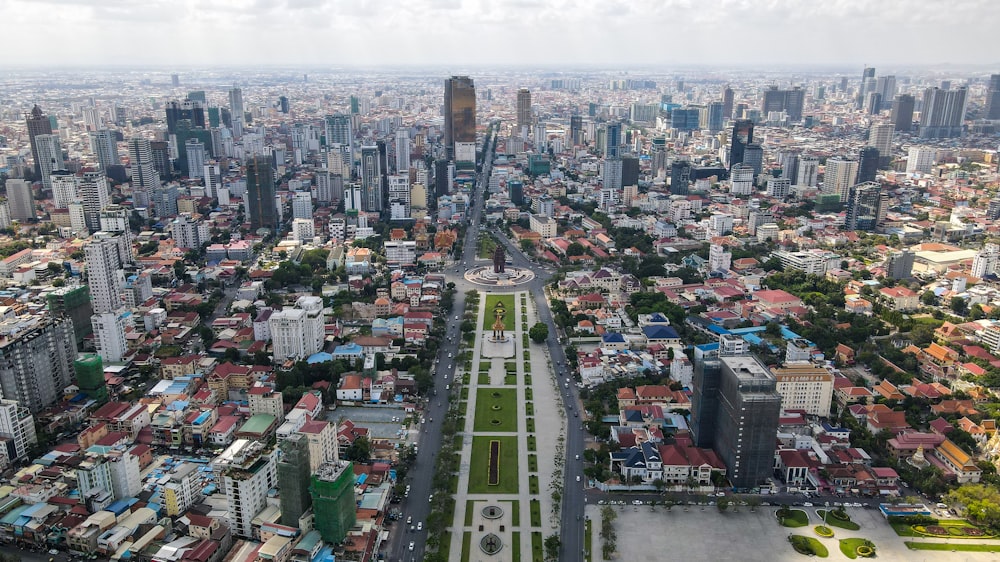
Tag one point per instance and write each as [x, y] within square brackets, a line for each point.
[805, 386]
[73, 302]
[523, 108]
[742, 136]
[19, 200]
[734, 410]
[986, 260]
[293, 478]
[788, 161]
[718, 258]
[686, 119]
[839, 175]
[371, 179]
[902, 113]
[993, 209]
[36, 359]
[93, 191]
[920, 159]
[297, 331]
[302, 205]
[283, 104]
[899, 265]
[183, 488]
[630, 171]
[779, 188]
[399, 197]
[867, 84]
[238, 112]
[332, 491]
[246, 471]
[104, 145]
[339, 130]
[402, 150]
[789, 101]
[50, 157]
[808, 174]
[38, 124]
[868, 160]
[611, 173]
[189, 233]
[741, 179]
[17, 427]
[992, 109]
[195, 158]
[459, 112]
[160, 153]
[880, 137]
[63, 188]
[612, 139]
[866, 207]
[753, 156]
[716, 116]
[727, 102]
[105, 259]
[190, 110]
[680, 177]
[163, 200]
[942, 113]
[576, 129]
[260, 193]
[885, 87]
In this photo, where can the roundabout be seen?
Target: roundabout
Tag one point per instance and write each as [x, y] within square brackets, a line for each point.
[510, 277]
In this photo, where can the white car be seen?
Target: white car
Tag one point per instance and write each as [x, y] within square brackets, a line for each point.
[411, 545]
[420, 526]
[577, 478]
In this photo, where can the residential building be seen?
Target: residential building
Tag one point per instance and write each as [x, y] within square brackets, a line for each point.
[840, 174]
[246, 471]
[36, 359]
[805, 386]
[297, 332]
[17, 428]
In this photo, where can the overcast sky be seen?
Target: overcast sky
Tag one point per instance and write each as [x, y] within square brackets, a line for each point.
[510, 32]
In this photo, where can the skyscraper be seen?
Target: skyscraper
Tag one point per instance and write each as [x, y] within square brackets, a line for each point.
[339, 131]
[868, 159]
[789, 101]
[402, 150]
[36, 359]
[808, 173]
[727, 102]
[523, 108]
[880, 137]
[866, 207]
[867, 85]
[371, 179]
[104, 145]
[942, 113]
[753, 156]
[236, 107]
[902, 113]
[260, 193]
[734, 410]
[899, 265]
[839, 175]
[788, 161]
[680, 177]
[195, 158]
[50, 157]
[459, 112]
[992, 109]
[576, 129]
[92, 189]
[612, 139]
[38, 124]
[742, 136]
[332, 491]
[105, 257]
[191, 110]
[716, 116]
[19, 200]
[293, 478]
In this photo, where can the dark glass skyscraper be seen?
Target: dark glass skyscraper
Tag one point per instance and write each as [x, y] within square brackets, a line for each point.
[742, 136]
[576, 129]
[260, 193]
[902, 113]
[38, 124]
[942, 113]
[459, 112]
[992, 109]
[680, 177]
[727, 102]
[868, 164]
[866, 207]
[613, 140]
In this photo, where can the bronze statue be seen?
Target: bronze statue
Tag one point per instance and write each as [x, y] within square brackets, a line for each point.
[499, 312]
[499, 259]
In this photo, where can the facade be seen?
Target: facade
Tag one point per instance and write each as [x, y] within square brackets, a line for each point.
[805, 386]
[523, 108]
[189, 233]
[298, 331]
[182, 490]
[246, 471]
[900, 265]
[901, 115]
[371, 179]
[332, 491]
[93, 191]
[868, 164]
[261, 206]
[742, 136]
[866, 207]
[17, 426]
[36, 359]
[19, 200]
[37, 124]
[293, 478]
[920, 160]
[841, 173]
[459, 112]
[680, 177]
[50, 156]
[942, 113]
[104, 145]
[734, 410]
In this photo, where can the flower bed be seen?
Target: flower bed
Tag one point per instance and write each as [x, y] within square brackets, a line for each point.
[494, 470]
[823, 531]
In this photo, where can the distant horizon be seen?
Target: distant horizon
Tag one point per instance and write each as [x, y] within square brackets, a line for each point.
[776, 34]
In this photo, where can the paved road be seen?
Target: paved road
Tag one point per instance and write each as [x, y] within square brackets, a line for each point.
[416, 506]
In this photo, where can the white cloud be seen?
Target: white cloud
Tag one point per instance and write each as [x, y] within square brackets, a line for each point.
[516, 32]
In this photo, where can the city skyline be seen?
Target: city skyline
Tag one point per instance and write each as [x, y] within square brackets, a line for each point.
[445, 32]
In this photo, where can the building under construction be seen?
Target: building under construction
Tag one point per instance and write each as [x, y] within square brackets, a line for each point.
[333, 501]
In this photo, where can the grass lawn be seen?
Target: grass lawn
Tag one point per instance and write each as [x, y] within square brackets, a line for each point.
[528, 395]
[484, 379]
[457, 442]
[536, 513]
[444, 545]
[480, 466]
[530, 422]
[466, 543]
[510, 380]
[485, 366]
[529, 409]
[796, 518]
[533, 484]
[508, 304]
[814, 545]
[531, 442]
[527, 380]
[496, 410]
[515, 512]
[532, 463]
[510, 366]
[913, 545]
[832, 521]
[515, 545]
[850, 546]
[487, 245]
[527, 355]
[468, 512]
[537, 555]
[588, 541]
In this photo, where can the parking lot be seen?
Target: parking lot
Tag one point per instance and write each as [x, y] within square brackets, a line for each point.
[378, 420]
[702, 534]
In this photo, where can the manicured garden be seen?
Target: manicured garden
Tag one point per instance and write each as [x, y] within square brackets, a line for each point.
[496, 410]
[837, 518]
[823, 531]
[479, 469]
[913, 545]
[857, 548]
[792, 517]
[944, 528]
[494, 464]
[489, 318]
[808, 546]
[536, 513]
